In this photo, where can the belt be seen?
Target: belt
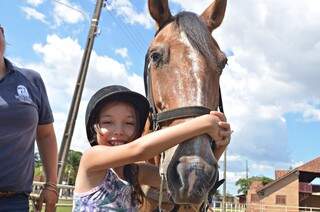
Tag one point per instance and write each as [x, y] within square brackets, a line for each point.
[4, 194]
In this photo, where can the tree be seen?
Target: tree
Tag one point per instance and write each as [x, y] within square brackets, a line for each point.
[72, 165]
[71, 168]
[244, 183]
[38, 173]
[37, 160]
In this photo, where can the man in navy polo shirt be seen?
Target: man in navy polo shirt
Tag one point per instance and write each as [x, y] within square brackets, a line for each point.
[25, 116]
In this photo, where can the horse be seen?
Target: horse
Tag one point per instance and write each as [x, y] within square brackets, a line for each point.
[183, 65]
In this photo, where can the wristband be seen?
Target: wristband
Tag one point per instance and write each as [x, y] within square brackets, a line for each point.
[51, 189]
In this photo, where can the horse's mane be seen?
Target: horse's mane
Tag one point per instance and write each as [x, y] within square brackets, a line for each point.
[197, 33]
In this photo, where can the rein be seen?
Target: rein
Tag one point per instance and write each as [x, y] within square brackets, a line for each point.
[159, 117]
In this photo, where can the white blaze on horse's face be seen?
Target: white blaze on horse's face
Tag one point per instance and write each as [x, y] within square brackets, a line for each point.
[185, 66]
[193, 56]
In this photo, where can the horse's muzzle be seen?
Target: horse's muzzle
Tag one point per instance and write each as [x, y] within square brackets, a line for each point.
[192, 171]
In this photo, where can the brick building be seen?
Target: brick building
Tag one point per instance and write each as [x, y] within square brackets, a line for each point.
[290, 187]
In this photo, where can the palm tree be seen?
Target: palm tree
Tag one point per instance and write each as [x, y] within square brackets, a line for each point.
[72, 165]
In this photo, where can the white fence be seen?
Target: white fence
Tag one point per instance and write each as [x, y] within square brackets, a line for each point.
[66, 193]
[231, 207]
[279, 208]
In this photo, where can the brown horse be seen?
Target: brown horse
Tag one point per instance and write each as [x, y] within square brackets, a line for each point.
[182, 70]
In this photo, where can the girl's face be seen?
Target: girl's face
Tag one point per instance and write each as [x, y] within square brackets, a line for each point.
[117, 124]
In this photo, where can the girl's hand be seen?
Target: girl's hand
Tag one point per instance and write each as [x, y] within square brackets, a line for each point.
[222, 134]
[102, 133]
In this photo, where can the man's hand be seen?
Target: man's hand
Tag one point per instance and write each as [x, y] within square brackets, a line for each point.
[49, 196]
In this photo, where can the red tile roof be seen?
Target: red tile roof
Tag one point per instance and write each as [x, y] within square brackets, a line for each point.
[311, 166]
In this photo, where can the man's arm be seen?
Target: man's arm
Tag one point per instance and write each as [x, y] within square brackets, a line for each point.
[47, 145]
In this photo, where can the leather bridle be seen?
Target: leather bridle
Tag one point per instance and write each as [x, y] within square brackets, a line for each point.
[159, 117]
[177, 113]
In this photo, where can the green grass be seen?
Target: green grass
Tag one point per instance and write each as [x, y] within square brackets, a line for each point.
[62, 206]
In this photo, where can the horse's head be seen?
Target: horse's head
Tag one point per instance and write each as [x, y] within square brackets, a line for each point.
[183, 66]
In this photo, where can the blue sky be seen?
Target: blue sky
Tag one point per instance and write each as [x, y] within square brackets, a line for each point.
[270, 87]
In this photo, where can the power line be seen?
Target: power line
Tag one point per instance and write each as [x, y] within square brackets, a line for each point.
[137, 37]
[73, 111]
[130, 35]
[247, 170]
[136, 40]
[72, 8]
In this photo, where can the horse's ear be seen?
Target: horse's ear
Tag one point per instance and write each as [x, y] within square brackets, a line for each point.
[214, 14]
[159, 10]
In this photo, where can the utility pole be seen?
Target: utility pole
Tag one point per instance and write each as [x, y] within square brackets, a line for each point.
[225, 182]
[247, 170]
[73, 111]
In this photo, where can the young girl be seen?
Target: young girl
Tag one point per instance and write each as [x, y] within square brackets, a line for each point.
[115, 119]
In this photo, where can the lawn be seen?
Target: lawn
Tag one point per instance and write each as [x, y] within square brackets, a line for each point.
[62, 206]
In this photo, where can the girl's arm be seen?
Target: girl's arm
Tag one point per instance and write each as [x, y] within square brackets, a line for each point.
[102, 157]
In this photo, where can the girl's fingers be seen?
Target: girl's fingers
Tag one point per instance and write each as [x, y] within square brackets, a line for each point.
[220, 115]
[101, 131]
[223, 142]
[225, 133]
[224, 125]
[225, 136]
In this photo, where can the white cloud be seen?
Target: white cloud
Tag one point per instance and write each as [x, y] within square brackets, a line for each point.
[59, 68]
[126, 10]
[123, 52]
[311, 113]
[190, 5]
[35, 2]
[65, 12]
[274, 71]
[32, 13]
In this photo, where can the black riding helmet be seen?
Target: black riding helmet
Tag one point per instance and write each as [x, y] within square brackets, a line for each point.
[114, 93]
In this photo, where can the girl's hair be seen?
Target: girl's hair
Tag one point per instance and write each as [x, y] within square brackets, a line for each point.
[130, 171]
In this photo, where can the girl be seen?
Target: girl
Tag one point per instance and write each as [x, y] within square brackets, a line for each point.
[115, 119]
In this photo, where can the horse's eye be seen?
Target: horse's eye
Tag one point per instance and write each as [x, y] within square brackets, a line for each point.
[155, 57]
[223, 63]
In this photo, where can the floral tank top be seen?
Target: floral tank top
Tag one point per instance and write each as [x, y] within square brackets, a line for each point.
[113, 195]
